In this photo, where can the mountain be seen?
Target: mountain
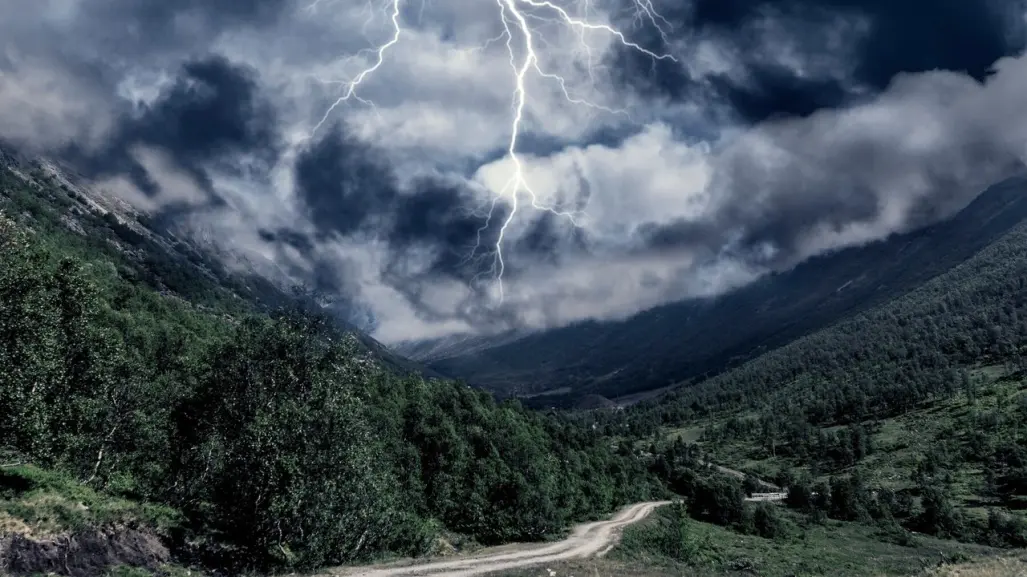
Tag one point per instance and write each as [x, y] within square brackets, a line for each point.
[686, 340]
[156, 253]
[155, 419]
[910, 413]
[157, 408]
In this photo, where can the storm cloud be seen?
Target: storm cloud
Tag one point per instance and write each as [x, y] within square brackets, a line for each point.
[768, 58]
[771, 131]
[211, 114]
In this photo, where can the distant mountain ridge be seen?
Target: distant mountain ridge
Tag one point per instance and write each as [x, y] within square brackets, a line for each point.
[684, 340]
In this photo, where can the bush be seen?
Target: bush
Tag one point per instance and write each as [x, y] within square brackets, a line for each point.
[671, 535]
[767, 522]
[938, 517]
[718, 500]
[1005, 530]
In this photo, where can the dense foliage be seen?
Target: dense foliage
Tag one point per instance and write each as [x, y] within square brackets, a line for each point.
[819, 403]
[278, 437]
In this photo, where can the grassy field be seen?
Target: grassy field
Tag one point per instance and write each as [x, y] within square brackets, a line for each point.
[956, 426]
[667, 544]
[1006, 566]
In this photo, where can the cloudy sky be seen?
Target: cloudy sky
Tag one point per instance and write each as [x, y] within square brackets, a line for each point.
[665, 149]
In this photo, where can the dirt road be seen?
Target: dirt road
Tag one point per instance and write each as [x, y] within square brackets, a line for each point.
[587, 540]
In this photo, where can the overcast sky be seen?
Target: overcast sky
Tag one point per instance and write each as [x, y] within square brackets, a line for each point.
[674, 149]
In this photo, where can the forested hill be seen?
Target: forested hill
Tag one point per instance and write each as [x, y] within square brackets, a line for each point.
[911, 412]
[146, 253]
[884, 361]
[247, 436]
[686, 340]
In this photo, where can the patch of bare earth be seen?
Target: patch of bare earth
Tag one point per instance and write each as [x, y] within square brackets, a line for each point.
[84, 553]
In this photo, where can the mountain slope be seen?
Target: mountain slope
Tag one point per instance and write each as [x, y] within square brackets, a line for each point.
[48, 197]
[675, 342]
[266, 441]
[921, 398]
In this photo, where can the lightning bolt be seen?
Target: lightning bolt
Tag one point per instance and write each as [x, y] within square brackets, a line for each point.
[350, 87]
[516, 17]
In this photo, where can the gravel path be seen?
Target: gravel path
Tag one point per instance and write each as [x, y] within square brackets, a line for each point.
[587, 540]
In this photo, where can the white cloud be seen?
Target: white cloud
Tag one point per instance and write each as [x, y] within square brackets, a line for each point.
[42, 105]
[935, 139]
[650, 178]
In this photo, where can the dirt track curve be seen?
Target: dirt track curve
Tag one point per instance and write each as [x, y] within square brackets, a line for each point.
[587, 540]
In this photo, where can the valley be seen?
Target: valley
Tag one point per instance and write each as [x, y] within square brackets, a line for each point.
[238, 435]
[885, 425]
[687, 341]
[513, 288]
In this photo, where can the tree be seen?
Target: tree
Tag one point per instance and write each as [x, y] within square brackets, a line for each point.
[767, 522]
[279, 444]
[938, 516]
[718, 500]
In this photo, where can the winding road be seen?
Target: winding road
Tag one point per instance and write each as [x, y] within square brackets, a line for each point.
[587, 540]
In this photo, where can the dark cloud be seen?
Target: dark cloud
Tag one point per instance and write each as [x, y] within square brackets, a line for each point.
[937, 34]
[209, 116]
[213, 109]
[349, 187]
[125, 29]
[903, 36]
[289, 237]
[776, 192]
[438, 216]
[156, 15]
[99, 43]
[548, 240]
[787, 188]
[344, 183]
[432, 229]
[438, 235]
[785, 221]
[696, 235]
[774, 91]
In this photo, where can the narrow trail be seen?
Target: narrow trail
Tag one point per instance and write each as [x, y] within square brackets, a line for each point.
[587, 540]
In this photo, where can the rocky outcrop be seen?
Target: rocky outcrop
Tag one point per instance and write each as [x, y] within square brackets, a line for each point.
[85, 553]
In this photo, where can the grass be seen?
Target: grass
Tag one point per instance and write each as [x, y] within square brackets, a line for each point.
[692, 434]
[602, 567]
[1009, 566]
[164, 571]
[901, 441]
[38, 503]
[666, 545]
[836, 548]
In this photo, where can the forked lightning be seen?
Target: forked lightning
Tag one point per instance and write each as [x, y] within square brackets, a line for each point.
[516, 17]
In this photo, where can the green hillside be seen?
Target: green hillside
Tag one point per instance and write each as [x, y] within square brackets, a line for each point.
[910, 414]
[237, 434]
[159, 412]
